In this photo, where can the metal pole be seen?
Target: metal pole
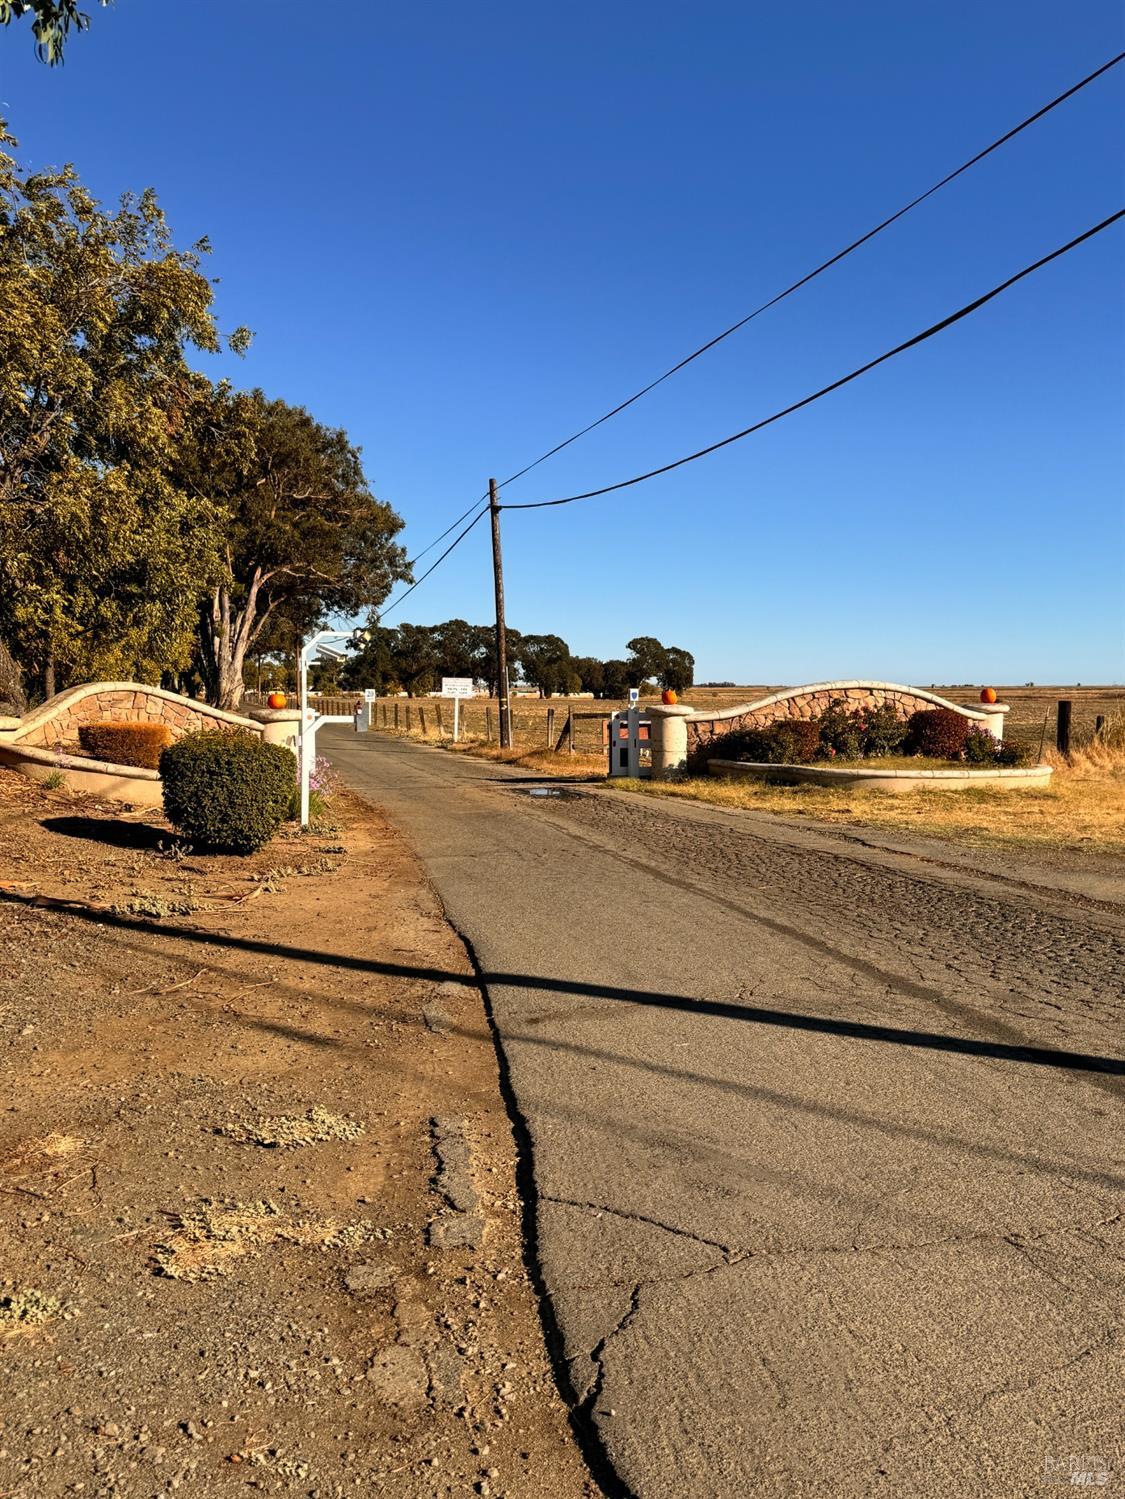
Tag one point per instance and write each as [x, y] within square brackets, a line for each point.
[501, 630]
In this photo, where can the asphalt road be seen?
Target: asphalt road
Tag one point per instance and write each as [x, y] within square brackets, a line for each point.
[826, 1140]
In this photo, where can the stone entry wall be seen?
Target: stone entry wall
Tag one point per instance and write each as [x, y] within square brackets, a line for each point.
[55, 723]
[703, 730]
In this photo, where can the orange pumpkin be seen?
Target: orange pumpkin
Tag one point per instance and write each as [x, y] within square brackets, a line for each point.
[277, 700]
[988, 695]
[668, 696]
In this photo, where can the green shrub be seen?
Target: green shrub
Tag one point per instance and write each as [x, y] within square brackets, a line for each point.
[1006, 753]
[789, 741]
[937, 733]
[126, 743]
[980, 747]
[841, 731]
[797, 740]
[884, 731]
[228, 791]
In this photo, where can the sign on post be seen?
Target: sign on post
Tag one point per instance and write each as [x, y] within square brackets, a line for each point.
[369, 695]
[456, 688]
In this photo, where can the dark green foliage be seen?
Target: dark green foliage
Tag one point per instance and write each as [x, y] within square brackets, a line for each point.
[51, 22]
[790, 741]
[227, 791]
[126, 743]
[848, 733]
[884, 731]
[1009, 754]
[980, 747]
[938, 733]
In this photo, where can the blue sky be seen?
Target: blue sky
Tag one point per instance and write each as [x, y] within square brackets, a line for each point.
[463, 232]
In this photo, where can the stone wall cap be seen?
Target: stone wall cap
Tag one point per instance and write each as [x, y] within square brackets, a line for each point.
[275, 715]
[717, 715]
[37, 754]
[71, 695]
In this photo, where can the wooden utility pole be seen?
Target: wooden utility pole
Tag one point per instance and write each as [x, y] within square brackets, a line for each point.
[501, 630]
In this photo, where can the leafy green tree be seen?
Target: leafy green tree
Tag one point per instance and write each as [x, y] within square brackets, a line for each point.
[679, 669]
[615, 679]
[415, 658]
[102, 554]
[373, 664]
[591, 674]
[302, 533]
[546, 663]
[456, 643]
[646, 660]
[51, 23]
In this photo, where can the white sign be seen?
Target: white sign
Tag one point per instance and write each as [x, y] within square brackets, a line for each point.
[456, 686]
[370, 695]
[634, 694]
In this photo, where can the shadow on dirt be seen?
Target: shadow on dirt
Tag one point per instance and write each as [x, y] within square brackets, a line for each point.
[114, 832]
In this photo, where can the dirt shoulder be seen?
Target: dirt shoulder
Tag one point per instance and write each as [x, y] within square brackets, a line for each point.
[236, 1250]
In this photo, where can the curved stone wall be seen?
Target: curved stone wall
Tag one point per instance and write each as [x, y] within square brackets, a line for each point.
[704, 729]
[55, 723]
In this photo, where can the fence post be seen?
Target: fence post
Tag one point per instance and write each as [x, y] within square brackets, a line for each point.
[396, 718]
[422, 717]
[550, 728]
[1062, 726]
[440, 720]
[488, 723]
[570, 731]
[409, 717]
[1099, 725]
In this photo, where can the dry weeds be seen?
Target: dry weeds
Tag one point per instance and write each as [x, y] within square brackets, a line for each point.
[285, 1131]
[24, 1310]
[1083, 808]
[207, 1239]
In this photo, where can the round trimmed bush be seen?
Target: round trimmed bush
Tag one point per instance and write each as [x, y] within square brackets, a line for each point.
[938, 733]
[227, 791]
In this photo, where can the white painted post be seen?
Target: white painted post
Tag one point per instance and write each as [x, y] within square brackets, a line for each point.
[456, 719]
[307, 741]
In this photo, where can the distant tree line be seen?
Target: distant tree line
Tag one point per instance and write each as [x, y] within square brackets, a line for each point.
[414, 658]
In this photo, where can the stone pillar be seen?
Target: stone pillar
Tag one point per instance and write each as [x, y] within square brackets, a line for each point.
[669, 739]
[994, 718]
[279, 725]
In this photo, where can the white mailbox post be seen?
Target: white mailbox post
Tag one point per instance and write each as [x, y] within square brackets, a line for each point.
[456, 688]
[323, 643]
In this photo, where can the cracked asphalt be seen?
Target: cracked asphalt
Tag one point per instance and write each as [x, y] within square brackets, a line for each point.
[825, 1137]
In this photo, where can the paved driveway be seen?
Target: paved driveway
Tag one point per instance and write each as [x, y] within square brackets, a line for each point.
[826, 1140]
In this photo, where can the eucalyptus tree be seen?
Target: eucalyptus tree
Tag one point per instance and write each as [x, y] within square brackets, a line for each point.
[302, 534]
[102, 554]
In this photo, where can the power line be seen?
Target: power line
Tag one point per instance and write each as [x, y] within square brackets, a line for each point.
[946, 322]
[418, 557]
[455, 542]
[835, 259]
